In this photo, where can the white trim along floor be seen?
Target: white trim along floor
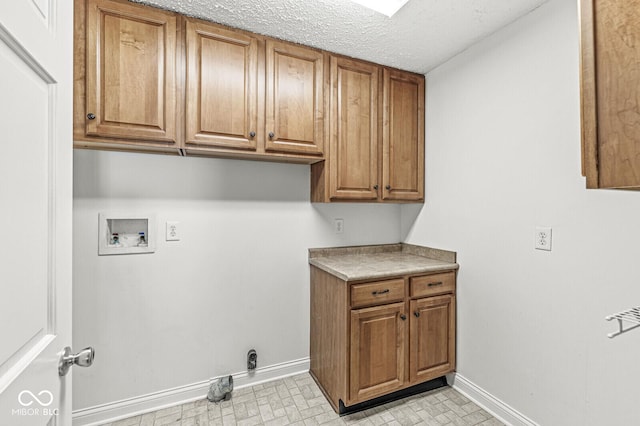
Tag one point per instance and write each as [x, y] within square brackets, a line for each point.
[297, 400]
[285, 394]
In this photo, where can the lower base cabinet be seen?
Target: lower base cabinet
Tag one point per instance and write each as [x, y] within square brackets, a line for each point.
[369, 339]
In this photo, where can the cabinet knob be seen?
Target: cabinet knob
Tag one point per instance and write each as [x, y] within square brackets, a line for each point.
[271, 135]
[252, 134]
[375, 187]
[403, 317]
[417, 314]
[91, 116]
[388, 187]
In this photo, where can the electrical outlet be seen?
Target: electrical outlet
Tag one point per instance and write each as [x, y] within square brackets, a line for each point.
[543, 238]
[338, 226]
[173, 231]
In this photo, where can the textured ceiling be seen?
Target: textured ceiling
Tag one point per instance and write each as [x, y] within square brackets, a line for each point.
[422, 35]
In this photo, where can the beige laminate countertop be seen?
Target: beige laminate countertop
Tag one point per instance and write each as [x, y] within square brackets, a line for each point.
[381, 261]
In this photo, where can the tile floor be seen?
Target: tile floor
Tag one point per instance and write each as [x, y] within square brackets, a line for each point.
[297, 400]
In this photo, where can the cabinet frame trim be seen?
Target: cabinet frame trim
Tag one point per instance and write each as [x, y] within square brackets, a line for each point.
[588, 101]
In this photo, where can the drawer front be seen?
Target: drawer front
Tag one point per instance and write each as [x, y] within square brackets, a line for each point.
[428, 285]
[377, 293]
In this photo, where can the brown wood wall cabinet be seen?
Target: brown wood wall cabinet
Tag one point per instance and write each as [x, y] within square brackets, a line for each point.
[403, 136]
[221, 101]
[125, 77]
[376, 146]
[371, 338]
[295, 98]
[151, 80]
[229, 109]
[610, 93]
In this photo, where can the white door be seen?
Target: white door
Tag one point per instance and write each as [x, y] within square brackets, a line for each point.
[36, 38]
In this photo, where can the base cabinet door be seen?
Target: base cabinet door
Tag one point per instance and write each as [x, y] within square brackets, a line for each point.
[377, 351]
[432, 337]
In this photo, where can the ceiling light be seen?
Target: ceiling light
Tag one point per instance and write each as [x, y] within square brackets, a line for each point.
[386, 7]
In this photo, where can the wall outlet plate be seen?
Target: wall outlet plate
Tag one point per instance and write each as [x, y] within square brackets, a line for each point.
[338, 226]
[173, 231]
[543, 238]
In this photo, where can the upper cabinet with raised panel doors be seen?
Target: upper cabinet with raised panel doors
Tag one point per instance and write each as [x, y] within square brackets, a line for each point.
[295, 98]
[403, 136]
[125, 76]
[151, 80]
[221, 87]
[248, 94]
[148, 79]
[610, 48]
[353, 163]
[376, 148]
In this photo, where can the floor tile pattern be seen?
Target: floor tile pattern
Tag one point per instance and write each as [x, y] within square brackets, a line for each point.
[297, 400]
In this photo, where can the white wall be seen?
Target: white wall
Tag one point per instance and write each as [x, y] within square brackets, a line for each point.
[238, 279]
[502, 156]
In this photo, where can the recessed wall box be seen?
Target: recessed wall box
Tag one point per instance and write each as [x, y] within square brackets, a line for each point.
[126, 234]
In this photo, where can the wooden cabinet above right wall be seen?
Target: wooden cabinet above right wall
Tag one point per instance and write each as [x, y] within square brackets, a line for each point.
[610, 93]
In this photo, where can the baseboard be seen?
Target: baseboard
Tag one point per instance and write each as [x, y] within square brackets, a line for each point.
[500, 410]
[117, 410]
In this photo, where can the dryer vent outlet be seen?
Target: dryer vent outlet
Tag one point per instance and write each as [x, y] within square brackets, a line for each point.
[252, 360]
[221, 389]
